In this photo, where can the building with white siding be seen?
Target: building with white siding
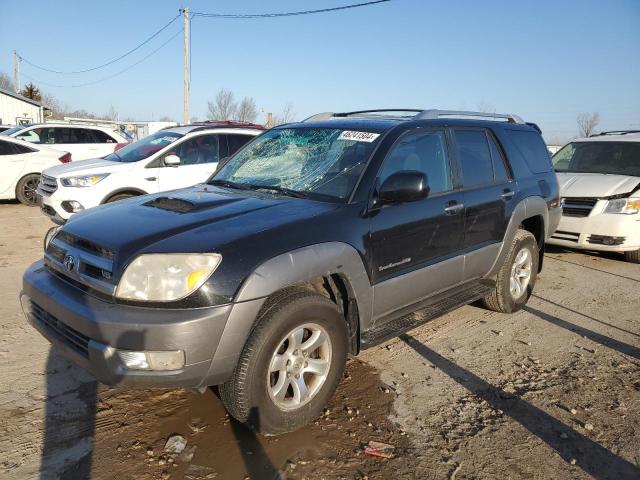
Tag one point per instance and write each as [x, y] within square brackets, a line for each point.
[16, 109]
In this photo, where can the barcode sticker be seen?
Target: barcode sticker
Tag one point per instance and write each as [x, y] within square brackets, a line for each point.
[358, 136]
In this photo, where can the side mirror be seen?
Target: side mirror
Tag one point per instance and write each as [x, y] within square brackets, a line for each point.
[172, 160]
[405, 186]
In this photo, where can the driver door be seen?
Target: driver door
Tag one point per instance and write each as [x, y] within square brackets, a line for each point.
[198, 159]
[416, 246]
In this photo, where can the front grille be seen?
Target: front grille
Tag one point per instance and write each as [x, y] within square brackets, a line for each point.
[568, 236]
[605, 240]
[69, 336]
[81, 262]
[578, 207]
[47, 185]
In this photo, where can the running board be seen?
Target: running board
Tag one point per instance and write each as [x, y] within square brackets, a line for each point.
[418, 314]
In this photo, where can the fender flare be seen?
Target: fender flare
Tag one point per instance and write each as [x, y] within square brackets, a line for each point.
[527, 208]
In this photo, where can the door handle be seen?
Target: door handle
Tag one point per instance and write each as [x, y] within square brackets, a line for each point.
[454, 209]
[508, 194]
[151, 179]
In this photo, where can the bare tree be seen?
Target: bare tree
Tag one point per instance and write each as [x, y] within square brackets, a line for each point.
[6, 82]
[285, 117]
[587, 123]
[224, 107]
[112, 114]
[165, 118]
[247, 110]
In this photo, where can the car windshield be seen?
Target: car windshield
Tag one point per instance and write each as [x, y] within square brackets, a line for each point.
[144, 148]
[616, 158]
[313, 162]
[12, 130]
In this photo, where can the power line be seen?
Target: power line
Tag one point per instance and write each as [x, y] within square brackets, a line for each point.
[110, 62]
[110, 76]
[284, 14]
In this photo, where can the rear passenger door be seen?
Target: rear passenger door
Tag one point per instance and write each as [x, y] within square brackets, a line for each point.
[416, 246]
[487, 188]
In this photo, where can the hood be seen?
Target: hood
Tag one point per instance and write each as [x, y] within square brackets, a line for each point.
[196, 219]
[595, 185]
[88, 167]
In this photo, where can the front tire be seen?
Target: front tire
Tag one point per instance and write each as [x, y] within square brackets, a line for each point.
[517, 277]
[291, 364]
[633, 256]
[26, 189]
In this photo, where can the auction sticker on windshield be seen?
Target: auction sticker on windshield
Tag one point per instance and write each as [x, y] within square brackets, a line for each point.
[358, 136]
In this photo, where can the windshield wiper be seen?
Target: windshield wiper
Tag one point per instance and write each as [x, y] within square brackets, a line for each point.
[277, 188]
[230, 184]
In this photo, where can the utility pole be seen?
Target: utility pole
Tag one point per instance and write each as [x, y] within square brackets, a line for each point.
[185, 106]
[16, 72]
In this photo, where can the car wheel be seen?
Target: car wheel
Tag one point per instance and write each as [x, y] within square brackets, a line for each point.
[119, 196]
[291, 364]
[26, 189]
[516, 278]
[633, 256]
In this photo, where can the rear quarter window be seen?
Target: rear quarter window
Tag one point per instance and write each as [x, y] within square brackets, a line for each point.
[531, 146]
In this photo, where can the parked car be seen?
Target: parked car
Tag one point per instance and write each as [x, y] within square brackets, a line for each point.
[5, 127]
[169, 159]
[600, 186]
[314, 241]
[82, 141]
[21, 164]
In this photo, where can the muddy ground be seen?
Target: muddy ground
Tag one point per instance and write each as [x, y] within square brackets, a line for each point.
[550, 392]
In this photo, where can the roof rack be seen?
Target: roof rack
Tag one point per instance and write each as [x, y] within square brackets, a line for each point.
[614, 132]
[218, 123]
[415, 114]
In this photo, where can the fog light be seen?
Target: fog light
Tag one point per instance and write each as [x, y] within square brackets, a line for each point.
[171, 360]
[71, 206]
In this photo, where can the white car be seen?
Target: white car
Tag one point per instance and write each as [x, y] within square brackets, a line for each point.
[82, 141]
[169, 159]
[599, 180]
[21, 164]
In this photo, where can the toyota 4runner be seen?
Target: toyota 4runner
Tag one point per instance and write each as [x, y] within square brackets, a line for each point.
[314, 241]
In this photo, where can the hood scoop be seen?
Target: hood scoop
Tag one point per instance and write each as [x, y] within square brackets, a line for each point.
[171, 204]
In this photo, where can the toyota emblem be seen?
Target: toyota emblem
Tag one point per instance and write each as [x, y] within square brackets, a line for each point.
[69, 263]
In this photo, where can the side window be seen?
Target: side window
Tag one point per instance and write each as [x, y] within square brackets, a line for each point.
[5, 148]
[198, 150]
[424, 151]
[474, 156]
[234, 142]
[531, 146]
[101, 137]
[33, 136]
[20, 149]
[499, 167]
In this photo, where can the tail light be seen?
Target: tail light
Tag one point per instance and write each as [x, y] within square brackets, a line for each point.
[120, 145]
[66, 158]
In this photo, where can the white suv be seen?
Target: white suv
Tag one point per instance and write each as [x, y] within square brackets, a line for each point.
[82, 141]
[599, 180]
[169, 159]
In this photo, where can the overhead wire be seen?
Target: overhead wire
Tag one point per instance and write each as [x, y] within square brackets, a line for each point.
[110, 62]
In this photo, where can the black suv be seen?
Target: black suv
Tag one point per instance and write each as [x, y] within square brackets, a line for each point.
[314, 241]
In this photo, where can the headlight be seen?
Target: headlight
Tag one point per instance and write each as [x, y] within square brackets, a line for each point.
[84, 181]
[166, 277]
[628, 206]
[49, 236]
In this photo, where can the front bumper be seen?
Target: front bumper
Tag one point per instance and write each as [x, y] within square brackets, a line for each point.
[88, 330]
[596, 230]
[52, 205]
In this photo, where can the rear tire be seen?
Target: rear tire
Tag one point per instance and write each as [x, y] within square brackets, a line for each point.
[264, 392]
[26, 189]
[633, 256]
[517, 277]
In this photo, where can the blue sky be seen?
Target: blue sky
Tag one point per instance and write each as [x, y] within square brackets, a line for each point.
[545, 60]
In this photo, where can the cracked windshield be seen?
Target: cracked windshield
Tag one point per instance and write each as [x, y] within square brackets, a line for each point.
[310, 162]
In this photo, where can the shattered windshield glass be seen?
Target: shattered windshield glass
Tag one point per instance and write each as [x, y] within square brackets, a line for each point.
[316, 162]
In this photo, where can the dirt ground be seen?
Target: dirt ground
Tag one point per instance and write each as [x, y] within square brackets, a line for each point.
[552, 392]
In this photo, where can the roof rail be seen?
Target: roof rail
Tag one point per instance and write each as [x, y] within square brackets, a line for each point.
[417, 114]
[614, 132]
[433, 114]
